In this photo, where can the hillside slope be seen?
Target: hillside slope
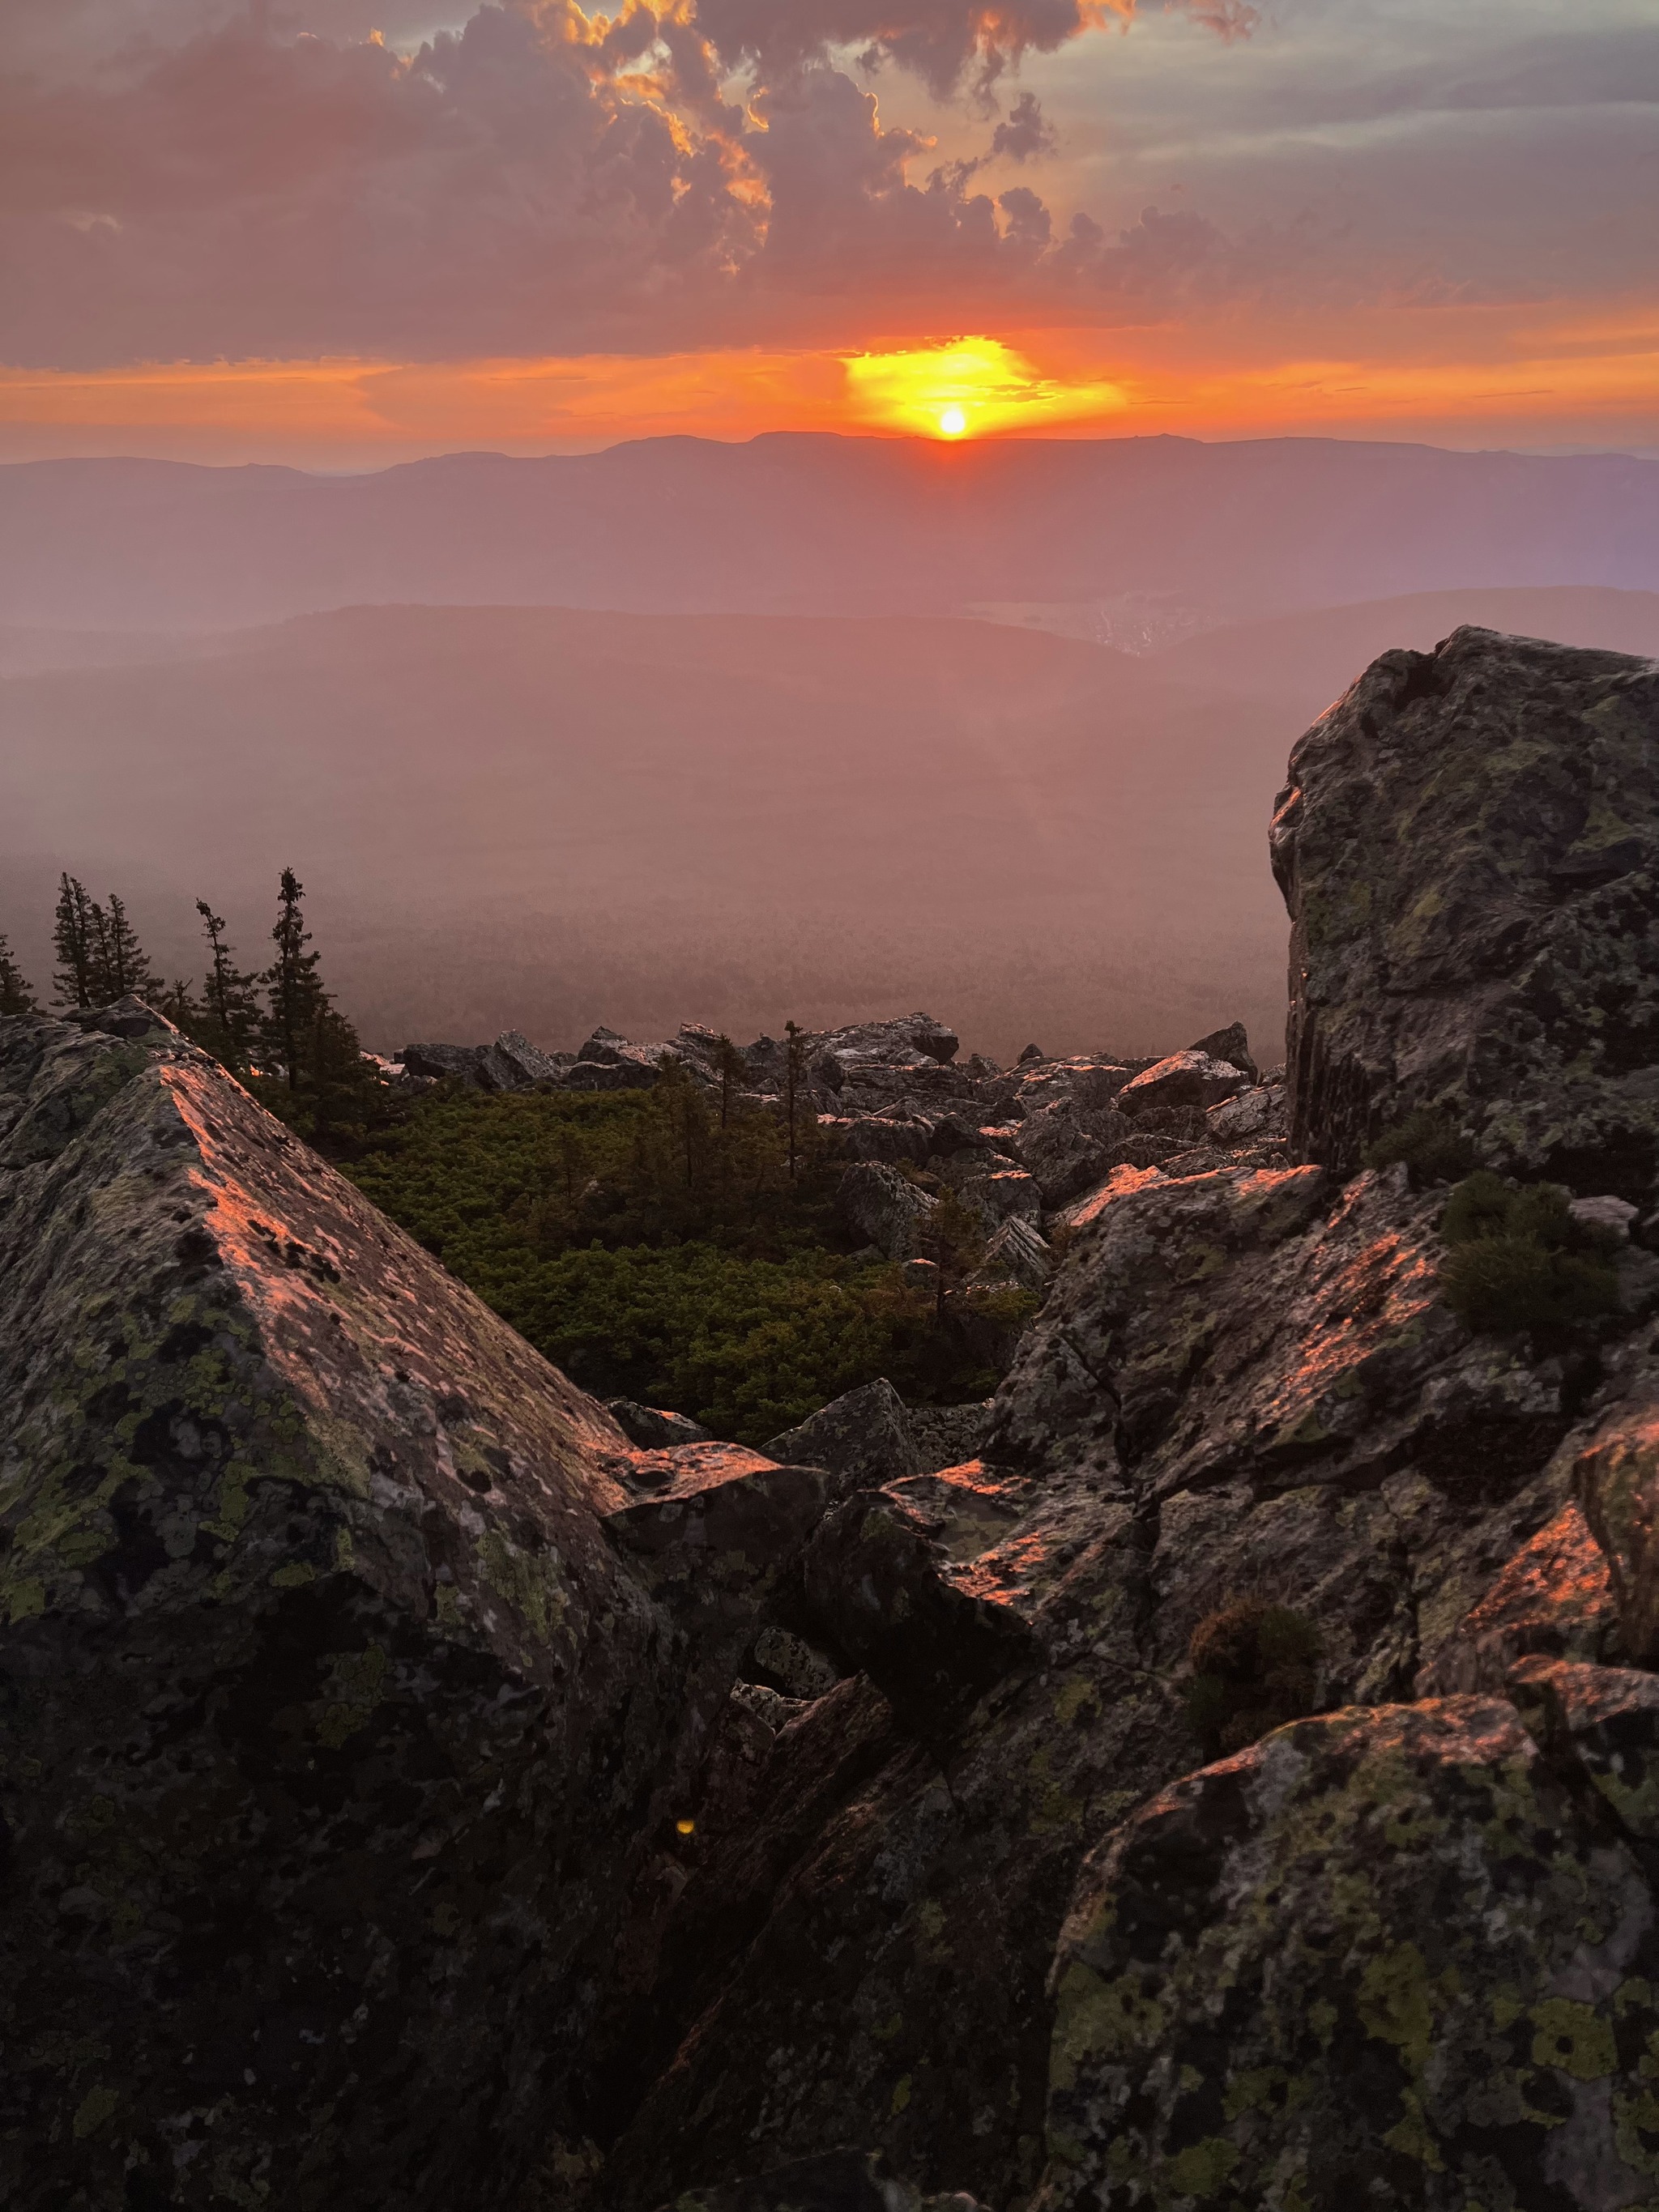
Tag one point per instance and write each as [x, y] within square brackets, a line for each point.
[818, 525]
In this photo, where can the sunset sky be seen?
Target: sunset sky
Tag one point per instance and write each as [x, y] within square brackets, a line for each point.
[347, 232]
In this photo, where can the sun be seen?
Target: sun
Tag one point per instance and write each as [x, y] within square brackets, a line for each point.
[964, 389]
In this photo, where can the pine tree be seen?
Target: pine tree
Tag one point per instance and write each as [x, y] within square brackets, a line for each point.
[126, 968]
[733, 1071]
[794, 1079]
[328, 1089]
[73, 941]
[293, 986]
[16, 996]
[178, 1003]
[230, 1010]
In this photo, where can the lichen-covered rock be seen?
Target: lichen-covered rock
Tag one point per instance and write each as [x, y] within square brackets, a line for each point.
[1185, 1078]
[1381, 1957]
[1605, 1721]
[1017, 1254]
[1553, 1597]
[1618, 1481]
[1467, 843]
[885, 1594]
[864, 1435]
[652, 1427]
[330, 1717]
[1062, 1150]
[877, 1203]
[840, 2181]
[1249, 1117]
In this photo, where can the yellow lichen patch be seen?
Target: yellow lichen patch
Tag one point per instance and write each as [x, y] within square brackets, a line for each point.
[1099, 2019]
[357, 1685]
[1075, 1697]
[1396, 2003]
[1412, 2136]
[529, 1585]
[1574, 2037]
[98, 2106]
[1201, 2170]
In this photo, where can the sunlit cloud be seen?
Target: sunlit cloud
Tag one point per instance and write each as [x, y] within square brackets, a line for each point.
[968, 388]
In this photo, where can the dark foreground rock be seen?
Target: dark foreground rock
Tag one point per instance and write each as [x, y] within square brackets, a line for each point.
[1386, 1956]
[333, 1719]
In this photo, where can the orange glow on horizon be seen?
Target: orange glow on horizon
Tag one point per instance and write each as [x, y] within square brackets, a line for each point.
[1479, 376]
[964, 389]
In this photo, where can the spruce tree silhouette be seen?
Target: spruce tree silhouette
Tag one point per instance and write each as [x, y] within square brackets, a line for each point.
[230, 1011]
[72, 941]
[16, 996]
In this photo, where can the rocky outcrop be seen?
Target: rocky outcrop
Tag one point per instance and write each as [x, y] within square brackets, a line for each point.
[512, 1063]
[651, 1428]
[331, 1713]
[1467, 843]
[1390, 1955]
[879, 1206]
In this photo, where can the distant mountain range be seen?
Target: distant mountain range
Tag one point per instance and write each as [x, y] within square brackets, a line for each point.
[790, 524]
[546, 819]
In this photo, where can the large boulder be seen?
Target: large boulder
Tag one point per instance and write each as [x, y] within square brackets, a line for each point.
[1468, 845]
[512, 1063]
[875, 1202]
[333, 1716]
[1386, 1956]
[1191, 1079]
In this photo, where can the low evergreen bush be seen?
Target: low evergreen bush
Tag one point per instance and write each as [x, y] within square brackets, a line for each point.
[1517, 1259]
[1430, 1143]
[1255, 1665]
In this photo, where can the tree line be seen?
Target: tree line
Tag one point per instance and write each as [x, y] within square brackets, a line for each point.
[276, 1028]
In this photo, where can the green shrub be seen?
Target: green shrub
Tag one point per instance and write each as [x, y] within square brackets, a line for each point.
[654, 1255]
[1255, 1665]
[1431, 1144]
[1518, 1260]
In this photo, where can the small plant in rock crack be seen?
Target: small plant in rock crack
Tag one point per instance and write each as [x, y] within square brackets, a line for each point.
[1255, 1666]
[1429, 1141]
[1516, 1259]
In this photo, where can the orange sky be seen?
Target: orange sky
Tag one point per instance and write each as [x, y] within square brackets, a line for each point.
[1527, 380]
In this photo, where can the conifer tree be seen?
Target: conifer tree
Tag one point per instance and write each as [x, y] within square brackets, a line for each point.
[328, 1087]
[100, 958]
[125, 966]
[293, 986]
[16, 996]
[733, 1071]
[181, 1007]
[794, 1079]
[74, 943]
[230, 1009]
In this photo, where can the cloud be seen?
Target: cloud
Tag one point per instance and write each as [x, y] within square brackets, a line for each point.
[231, 185]
[940, 40]
[1023, 134]
[228, 184]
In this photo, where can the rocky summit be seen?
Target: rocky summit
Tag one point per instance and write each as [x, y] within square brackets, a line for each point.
[1222, 1771]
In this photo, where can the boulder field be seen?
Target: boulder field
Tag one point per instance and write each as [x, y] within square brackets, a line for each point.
[1222, 1772]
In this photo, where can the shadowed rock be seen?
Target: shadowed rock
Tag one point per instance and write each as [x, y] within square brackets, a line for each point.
[331, 1716]
[1243, 2016]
